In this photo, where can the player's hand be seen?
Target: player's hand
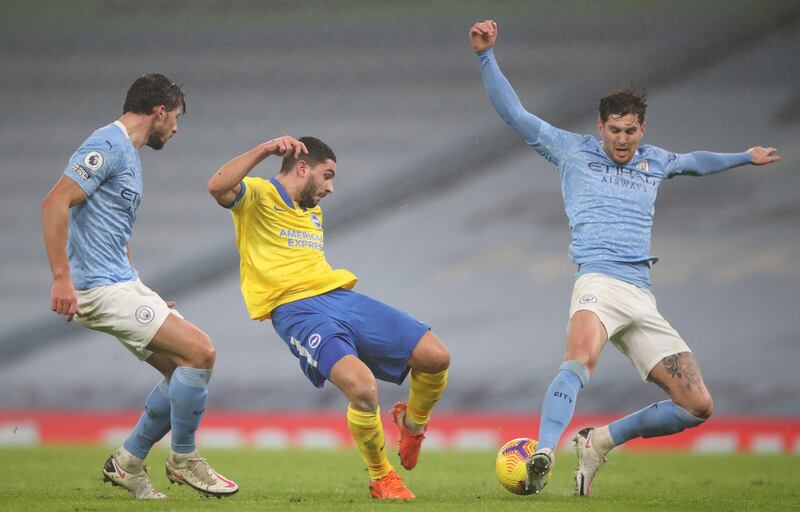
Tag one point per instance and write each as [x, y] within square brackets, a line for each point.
[63, 299]
[285, 146]
[763, 156]
[482, 35]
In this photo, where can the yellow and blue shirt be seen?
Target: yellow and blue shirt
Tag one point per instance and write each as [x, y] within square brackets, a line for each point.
[281, 249]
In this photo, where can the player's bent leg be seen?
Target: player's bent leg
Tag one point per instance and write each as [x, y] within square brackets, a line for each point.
[586, 336]
[429, 365]
[192, 352]
[357, 383]
[691, 405]
[125, 470]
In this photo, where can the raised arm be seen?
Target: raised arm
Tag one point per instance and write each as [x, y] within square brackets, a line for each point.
[226, 183]
[55, 211]
[483, 36]
[704, 163]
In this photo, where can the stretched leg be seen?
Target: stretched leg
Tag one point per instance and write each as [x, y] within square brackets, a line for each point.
[586, 336]
[429, 363]
[356, 382]
[191, 352]
[690, 405]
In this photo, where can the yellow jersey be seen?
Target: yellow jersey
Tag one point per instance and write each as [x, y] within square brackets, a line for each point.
[281, 249]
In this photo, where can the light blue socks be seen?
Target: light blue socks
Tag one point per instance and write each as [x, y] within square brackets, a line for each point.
[658, 419]
[153, 424]
[188, 394]
[559, 402]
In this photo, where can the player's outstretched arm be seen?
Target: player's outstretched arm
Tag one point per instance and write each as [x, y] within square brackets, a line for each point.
[226, 183]
[704, 163]
[55, 210]
[483, 36]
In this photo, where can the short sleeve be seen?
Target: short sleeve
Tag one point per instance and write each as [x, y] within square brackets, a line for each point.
[90, 166]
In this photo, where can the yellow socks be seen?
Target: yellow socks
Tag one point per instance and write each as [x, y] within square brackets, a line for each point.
[367, 431]
[426, 388]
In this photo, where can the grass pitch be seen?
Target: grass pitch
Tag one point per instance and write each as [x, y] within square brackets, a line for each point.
[69, 479]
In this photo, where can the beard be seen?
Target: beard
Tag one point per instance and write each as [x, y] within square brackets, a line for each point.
[308, 194]
[155, 141]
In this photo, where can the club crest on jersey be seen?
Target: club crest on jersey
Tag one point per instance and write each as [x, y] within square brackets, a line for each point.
[93, 160]
[315, 221]
[643, 166]
[145, 314]
[587, 299]
[313, 340]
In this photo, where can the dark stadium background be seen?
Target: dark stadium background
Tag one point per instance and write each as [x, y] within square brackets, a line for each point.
[439, 208]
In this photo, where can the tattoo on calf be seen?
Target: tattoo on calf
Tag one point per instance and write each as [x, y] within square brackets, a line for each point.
[673, 365]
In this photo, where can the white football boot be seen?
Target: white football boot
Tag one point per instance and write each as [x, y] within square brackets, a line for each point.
[124, 470]
[590, 458]
[538, 467]
[194, 471]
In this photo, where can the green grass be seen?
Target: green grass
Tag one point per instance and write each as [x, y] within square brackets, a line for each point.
[68, 479]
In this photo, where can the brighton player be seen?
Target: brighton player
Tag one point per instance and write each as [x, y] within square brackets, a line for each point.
[87, 219]
[609, 187]
[337, 334]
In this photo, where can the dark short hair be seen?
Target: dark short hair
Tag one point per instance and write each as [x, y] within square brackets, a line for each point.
[151, 90]
[622, 101]
[318, 152]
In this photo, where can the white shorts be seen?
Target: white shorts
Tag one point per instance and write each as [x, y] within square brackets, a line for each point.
[129, 311]
[631, 319]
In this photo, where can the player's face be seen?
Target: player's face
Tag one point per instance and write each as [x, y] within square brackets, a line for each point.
[319, 183]
[621, 136]
[165, 126]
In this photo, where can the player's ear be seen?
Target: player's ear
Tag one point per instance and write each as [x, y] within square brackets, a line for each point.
[644, 126]
[599, 125]
[301, 168]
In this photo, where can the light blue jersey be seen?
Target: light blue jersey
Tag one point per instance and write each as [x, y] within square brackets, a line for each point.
[107, 167]
[609, 206]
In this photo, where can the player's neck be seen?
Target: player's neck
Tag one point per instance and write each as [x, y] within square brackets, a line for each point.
[137, 126]
[288, 185]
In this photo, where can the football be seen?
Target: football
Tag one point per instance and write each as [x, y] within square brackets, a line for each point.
[510, 464]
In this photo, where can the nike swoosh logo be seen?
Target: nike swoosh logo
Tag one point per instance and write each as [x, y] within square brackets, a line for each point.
[228, 483]
[588, 441]
[119, 469]
[277, 209]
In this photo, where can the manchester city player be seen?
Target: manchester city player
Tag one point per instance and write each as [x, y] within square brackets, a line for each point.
[87, 219]
[337, 334]
[609, 187]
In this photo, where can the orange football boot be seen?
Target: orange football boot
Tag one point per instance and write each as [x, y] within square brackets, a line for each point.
[410, 444]
[390, 487]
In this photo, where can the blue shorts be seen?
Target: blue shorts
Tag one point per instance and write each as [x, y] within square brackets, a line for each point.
[321, 330]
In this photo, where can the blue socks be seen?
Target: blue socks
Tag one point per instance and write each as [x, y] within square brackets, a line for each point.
[559, 402]
[188, 394]
[658, 419]
[153, 424]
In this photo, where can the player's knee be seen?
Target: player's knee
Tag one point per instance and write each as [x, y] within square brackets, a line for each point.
[204, 355]
[439, 360]
[363, 394]
[702, 408]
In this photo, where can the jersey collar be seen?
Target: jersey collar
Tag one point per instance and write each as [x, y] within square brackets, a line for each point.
[282, 191]
[122, 127]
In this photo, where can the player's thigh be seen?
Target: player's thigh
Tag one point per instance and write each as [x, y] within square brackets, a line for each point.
[356, 382]
[430, 355]
[129, 311]
[385, 336]
[183, 343]
[679, 375]
[586, 336]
